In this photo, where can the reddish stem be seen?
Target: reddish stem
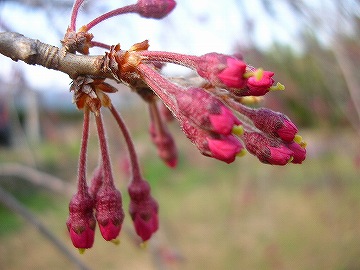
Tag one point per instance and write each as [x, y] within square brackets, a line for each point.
[100, 45]
[82, 186]
[74, 13]
[107, 174]
[132, 153]
[112, 13]
[170, 57]
[161, 86]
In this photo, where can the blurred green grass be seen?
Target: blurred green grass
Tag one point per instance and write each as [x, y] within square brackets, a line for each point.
[245, 215]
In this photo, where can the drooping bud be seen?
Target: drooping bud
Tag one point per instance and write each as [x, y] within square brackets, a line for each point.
[81, 222]
[143, 209]
[206, 111]
[221, 147]
[156, 9]
[268, 150]
[222, 70]
[161, 136]
[109, 212]
[165, 145]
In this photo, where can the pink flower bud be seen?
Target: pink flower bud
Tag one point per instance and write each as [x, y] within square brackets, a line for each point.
[288, 130]
[268, 150]
[273, 123]
[221, 147]
[145, 217]
[143, 209]
[138, 190]
[222, 70]
[299, 152]
[206, 111]
[109, 212]
[81, 222]
[256, 86]
[156, 9]
[224, 148]
[165, 144]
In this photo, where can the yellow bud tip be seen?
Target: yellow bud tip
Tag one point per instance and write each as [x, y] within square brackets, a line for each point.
[248, 74]
[238, 130]
[258, 74]
[250, 100]
[81, 250]
[291, 159]
[299, 140]
[277, 87]
[242, 153]
[144, 245]
[115, 241]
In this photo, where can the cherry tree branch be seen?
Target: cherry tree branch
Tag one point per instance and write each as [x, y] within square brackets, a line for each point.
[34, 52]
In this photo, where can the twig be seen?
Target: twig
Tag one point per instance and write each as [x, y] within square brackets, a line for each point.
[10, 202]
[34, 52]
[38, 178]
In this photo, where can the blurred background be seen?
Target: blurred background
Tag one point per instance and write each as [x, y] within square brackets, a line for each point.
[245, 215]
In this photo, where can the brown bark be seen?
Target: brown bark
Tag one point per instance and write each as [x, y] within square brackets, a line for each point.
[34, 52]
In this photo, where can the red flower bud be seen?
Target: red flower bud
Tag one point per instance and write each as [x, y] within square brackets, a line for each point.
[139, 190]
[143, 209]
[221, 147]
[258, 86]
[156, 9]
[222, 70]
[109, 212]
[206, 111]
[273, 123]
[225, 148]
[145, 217]
[288, 130]
[81, 222]
[165, 144]
[268, 150]
[299, 152]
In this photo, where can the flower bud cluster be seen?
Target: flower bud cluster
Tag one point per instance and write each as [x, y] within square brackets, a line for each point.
[212, 113]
